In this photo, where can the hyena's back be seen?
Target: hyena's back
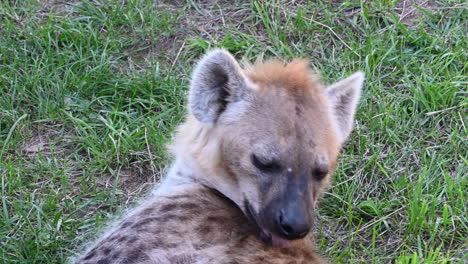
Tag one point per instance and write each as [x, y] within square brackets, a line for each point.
[191, 227]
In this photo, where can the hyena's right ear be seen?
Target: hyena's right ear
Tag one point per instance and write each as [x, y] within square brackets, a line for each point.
[216, 81]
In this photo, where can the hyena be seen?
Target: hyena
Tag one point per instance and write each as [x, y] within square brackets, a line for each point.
[257, 148]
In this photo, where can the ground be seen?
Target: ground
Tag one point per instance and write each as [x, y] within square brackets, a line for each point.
[92, 90]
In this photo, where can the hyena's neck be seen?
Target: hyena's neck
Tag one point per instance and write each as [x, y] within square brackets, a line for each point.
[197, 161]
[183, 173]
[196, 154]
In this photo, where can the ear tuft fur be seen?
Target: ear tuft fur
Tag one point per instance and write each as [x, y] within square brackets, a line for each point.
[216, 81]
[344, 97]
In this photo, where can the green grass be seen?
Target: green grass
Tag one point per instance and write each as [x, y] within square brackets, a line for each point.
[91, 92]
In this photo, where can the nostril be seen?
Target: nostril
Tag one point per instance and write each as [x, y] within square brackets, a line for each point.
[292, 227]
[287, 229]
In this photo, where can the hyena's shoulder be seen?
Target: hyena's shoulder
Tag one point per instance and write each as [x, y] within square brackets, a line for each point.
[173, 228]
[199, 226]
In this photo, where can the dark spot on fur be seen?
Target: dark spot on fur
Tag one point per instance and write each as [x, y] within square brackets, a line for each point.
[122, 239]
[176, 233]
[173, 197]
[165, 218]
[216, 219]
[182, 259]
[115, 255]
[160, 243]
[167, 208]
[171, 245]
[260, 259]
[132, 240]
[90, 254]
[156, 243]
[106, 251]
[188, 206]
[204, 229]
[145, 221]
[126, 224]
[182, 218]
[208, 232]
[154, 230]
[142, 247]
[103, 261]
[147, 211]
[286, 251]
[135, 256]
[201, 245]
[298, 110]
[311, 143]
[113, 238]
[157, 231]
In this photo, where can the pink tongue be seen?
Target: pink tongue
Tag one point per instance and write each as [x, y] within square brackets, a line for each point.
[280, 242]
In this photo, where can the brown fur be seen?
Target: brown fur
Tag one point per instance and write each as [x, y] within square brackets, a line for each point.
[216, 205]
[214, 231]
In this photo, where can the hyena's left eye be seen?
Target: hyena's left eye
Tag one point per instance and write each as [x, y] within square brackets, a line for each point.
[265, 166]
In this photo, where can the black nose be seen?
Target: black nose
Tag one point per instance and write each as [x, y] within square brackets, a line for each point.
[293, 225]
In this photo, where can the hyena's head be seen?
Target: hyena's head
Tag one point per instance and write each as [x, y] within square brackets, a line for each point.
[268, 137]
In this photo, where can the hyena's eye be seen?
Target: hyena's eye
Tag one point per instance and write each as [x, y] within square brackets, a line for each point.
[319, 173]
[265, 166]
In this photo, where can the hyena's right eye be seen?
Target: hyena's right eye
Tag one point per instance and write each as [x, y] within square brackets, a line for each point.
[265, 166]
[319, 173]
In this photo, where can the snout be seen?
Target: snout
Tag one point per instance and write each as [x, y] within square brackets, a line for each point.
[293, 224]
[280, 223]
[288, 215]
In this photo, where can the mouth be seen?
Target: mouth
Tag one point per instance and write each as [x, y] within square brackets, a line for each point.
[274, 240]
[268, 237]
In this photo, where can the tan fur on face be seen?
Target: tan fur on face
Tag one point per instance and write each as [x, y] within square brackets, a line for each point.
[285, 88]
[298, 85]
[299, 80]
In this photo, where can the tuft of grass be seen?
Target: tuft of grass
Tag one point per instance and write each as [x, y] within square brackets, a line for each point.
[84, 119]
[92, 90]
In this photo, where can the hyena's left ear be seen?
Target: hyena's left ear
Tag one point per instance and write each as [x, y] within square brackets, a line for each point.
[216, 81]
[344, 97]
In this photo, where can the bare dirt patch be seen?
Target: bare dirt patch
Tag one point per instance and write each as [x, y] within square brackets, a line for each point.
[408, 12]
[59, 7]
[132, 180]
[48, 140]
[202, 20]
